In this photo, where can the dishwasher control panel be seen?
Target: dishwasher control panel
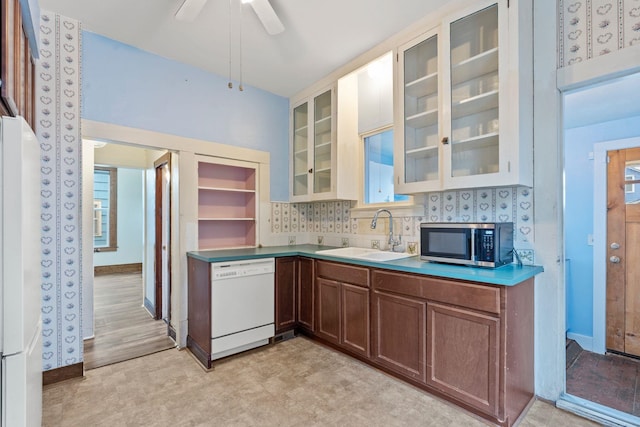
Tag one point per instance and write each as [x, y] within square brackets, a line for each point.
[232, 269]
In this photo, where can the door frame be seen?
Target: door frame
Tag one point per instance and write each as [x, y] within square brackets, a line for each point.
[600, 237]
[160, 203]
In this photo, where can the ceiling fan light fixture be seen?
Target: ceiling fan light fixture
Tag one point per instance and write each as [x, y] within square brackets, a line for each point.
[189, 10]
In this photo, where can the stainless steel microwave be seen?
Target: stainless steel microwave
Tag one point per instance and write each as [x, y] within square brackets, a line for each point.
[476, 244]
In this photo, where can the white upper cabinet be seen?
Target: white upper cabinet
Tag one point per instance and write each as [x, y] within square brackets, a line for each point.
[418, 109]
[464, 102]
[316, 158]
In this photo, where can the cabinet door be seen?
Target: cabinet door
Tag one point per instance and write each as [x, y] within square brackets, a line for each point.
[463, 355]
[285, 288]
[323, 137]
[399, 330]
[476, 97]
[305, 294]
[355, 318]
[300, 151]
[417, 147]
[328, 308]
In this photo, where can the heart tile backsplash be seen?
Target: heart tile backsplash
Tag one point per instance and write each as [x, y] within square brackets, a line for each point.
[512, 204]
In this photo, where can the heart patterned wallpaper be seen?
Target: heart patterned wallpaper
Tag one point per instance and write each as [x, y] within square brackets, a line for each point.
[590, 28]
[333, 220]
[58, 130]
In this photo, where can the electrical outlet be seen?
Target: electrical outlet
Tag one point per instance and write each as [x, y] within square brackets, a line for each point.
[292, 240]
[375, 244]
[345, 242]
[320, 240]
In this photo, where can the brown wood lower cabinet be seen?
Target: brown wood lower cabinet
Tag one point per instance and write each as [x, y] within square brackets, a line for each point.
[462, 354]
[286, 282]
[342, 304]
[305, 307]
[399, 332]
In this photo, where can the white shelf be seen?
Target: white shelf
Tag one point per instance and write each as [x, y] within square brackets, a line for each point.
[475, 104]
[423, 152]
[477, 142]
[423, 86]
[322, 170]
[323, 125]
[303, 151]
[422, 120]
[324, 148]
[302, 131]
[229, 190]
[476, 66]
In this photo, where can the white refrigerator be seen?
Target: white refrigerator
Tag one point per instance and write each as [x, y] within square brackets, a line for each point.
[20, 318]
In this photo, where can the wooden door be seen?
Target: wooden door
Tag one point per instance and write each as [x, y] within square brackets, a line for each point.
[285, 293]
[355, 318]
[399, 331]
[305, 294]
[623, 251]
[328, 309]
[162, 264]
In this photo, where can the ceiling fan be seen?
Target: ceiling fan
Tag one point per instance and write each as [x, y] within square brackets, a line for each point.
[190, 9]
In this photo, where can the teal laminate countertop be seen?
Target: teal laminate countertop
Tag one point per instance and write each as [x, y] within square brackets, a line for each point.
[507, 275]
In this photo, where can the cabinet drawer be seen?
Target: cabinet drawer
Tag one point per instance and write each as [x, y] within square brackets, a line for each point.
[343, 273]
[478, 297]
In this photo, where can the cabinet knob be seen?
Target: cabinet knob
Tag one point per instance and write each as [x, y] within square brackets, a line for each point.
[311, 170]
[615, 260]
[445, 140]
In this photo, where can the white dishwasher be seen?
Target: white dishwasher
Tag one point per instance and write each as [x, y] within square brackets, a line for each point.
[242, 305]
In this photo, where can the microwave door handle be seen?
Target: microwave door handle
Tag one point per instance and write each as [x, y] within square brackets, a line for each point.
[473, 245]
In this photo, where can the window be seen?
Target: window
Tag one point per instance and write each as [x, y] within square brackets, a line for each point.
[105, 183]
[378, 168]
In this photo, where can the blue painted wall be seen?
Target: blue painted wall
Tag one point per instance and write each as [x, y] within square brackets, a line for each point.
[127, 86]
[579, 171]
[130, 222]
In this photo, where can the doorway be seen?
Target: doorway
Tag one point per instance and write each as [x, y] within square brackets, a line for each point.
[596, 125]
[125, 305]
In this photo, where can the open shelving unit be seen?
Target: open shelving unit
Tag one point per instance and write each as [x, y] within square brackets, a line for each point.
[227, 205]
[300, 121]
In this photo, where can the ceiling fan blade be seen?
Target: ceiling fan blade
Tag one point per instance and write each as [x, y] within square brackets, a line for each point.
[267, 16]
[189, 10]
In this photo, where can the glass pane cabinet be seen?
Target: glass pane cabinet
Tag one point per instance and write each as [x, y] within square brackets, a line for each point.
[462, 121]
[316, 168]
[421, 107]
[474, 91]
[322, 142]
[301, 149]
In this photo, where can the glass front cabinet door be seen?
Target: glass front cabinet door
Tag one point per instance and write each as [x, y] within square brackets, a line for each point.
[313, 145]
[476, 130]
[417, 125]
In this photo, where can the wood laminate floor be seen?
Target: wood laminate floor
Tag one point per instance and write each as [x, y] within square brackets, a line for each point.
[123, 328]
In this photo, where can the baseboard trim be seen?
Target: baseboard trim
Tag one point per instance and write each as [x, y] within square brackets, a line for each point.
[148, 305]
[56, 375]
[100, 270]
[585, 342]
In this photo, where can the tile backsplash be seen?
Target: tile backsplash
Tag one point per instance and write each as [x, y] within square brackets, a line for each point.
[331, 222]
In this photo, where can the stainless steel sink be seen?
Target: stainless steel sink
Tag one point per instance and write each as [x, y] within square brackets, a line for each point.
[365, 254]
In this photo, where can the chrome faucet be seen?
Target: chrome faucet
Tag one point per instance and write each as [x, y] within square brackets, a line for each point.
[392, 242]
